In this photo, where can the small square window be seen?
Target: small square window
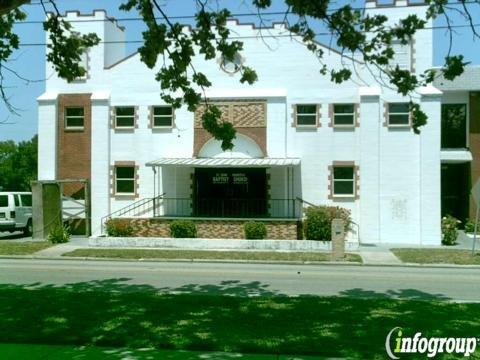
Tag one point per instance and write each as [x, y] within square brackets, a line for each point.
[125, 180]
[306, 115]
[162, 117]
[398, 114]
[125, 117]
[343, 181]
[74, 118]
[344, 115]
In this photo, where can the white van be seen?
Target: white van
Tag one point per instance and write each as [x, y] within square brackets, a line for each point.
[16, 212]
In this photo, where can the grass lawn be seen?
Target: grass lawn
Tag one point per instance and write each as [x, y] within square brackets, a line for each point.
[113, 313]
[438, 256]
[208, 255]
[62, 352]
[22, 248]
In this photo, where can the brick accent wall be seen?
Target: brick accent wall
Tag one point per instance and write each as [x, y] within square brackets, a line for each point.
[214, 229]
[474, 141]
[248, 117]
[74, 146]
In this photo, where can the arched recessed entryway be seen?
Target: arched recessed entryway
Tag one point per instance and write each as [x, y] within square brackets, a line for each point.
[243, 147]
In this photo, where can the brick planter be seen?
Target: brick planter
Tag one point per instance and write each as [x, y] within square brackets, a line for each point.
[215, 229]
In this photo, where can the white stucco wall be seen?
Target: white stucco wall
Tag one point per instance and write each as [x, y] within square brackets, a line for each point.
[399, 172]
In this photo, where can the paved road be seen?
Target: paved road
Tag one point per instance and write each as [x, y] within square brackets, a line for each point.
[248, 279]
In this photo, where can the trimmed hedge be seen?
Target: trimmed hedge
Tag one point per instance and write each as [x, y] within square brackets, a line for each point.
[119, 228]
[318, 223]
[255, 230]
[183, 229]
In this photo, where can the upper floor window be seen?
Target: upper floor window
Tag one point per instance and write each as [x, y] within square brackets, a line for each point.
[306, 115]
[402, 55]
[162, 117]
[125, 117]
[344, 115]
[398, 114]
[343, 180]
[454, 126]
[74, 118]
[125, 180]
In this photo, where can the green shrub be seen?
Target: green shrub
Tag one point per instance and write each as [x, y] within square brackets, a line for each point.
[469, 226]
[183, 229]
[318, 223]
[449, 230]
[119, 227]
[255, 230]
[59, 235]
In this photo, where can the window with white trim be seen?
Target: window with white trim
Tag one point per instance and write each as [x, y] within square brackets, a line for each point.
[74, 118]
[398, 114]
[343, 115]
[306, 115]
[343, 180]
[402, 55]
[162, 117]
[125, 180]
[125, 117]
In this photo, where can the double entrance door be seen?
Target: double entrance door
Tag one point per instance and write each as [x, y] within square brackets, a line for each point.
[230, 192]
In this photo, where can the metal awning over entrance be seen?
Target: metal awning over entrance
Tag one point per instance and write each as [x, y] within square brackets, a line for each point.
[225, 162]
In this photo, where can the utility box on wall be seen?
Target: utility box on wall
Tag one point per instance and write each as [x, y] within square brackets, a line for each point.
[46, 208]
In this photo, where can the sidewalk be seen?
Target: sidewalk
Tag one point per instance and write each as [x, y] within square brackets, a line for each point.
[371, 254]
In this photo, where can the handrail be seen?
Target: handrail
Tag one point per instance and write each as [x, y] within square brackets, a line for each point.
[130, 208]
[305, 201]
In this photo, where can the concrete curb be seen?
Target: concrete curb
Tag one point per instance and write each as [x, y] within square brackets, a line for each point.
[331, 263]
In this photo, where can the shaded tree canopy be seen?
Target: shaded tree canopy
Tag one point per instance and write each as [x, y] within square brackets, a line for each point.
[18, 164]
[369, 37]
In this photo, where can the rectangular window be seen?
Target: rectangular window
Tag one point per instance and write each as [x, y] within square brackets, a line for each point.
[344, 180]
[125, 180]
[74, 118]
[162, 116]
[26, 200]
[454, 126]
[16, 199]
[3, 200]
[402, 55]
[344, 115]
[306, 115]
[398, 114]
[125, 117]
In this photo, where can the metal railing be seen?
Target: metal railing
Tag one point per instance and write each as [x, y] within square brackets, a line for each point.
[230, 208]
[141, 208]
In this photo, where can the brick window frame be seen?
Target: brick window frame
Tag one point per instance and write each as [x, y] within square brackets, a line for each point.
[318, 118]
[356, 181]
[113, 180]
[356, 116]
[151, 118]
[113, 119]
[386, 117]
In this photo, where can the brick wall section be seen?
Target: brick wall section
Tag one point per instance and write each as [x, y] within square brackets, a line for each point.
[74, 146]
[474, 140]
[248, 117]
[214, 229]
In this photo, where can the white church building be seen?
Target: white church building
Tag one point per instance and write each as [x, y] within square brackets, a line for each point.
[301, 139]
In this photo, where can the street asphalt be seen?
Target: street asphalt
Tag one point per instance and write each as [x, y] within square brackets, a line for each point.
[426, 283]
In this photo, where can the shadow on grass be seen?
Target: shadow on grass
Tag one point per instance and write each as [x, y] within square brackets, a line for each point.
[224, 317]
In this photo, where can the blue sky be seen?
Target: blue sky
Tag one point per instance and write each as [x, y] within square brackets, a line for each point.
[29, 60]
